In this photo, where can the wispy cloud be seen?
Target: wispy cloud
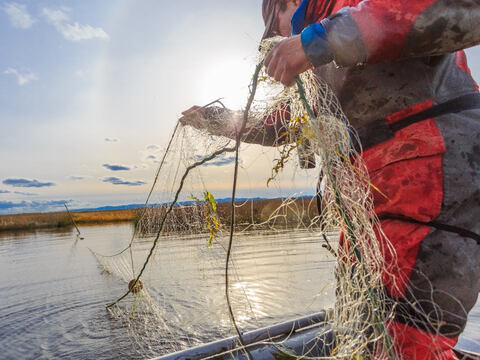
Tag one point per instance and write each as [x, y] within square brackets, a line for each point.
[151, 157]
[153, 147]
[120, 181]
[77, 177]
[73, 32]
[4, 192]
[116, 167]
[25, 183]
[19, 16]
[111, 139]
[24, 193]
[221, 160]
[22, 78]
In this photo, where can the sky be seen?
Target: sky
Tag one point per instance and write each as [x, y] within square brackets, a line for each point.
[90, 91]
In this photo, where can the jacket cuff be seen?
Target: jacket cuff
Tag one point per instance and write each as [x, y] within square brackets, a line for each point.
[345, 39]
[315, 44]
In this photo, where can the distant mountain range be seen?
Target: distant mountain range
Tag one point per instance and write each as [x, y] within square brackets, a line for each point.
[189, 202]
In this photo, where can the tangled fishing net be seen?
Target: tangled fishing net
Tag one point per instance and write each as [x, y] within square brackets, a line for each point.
[307, 130]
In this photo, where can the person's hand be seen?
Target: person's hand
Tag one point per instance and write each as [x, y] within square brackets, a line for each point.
[194, 117]
[287, 60]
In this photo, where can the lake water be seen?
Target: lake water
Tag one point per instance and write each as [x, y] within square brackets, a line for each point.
[53, 292]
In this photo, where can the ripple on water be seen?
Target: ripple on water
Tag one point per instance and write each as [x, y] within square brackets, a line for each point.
[54, 293]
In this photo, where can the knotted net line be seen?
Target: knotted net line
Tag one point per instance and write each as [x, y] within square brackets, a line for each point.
[308, 129]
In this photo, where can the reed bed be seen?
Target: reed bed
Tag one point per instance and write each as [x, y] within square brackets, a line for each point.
[248, 212]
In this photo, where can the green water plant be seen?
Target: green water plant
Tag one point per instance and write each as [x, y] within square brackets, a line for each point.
[212, 224]
[295, 126]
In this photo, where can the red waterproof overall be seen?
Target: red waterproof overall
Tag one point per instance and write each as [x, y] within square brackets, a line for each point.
[396, 58]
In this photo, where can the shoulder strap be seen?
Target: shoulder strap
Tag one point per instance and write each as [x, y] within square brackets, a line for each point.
[437, 225]
[378, 131]
[461, 103]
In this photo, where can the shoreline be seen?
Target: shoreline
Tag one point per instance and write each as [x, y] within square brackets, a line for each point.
[247, 212]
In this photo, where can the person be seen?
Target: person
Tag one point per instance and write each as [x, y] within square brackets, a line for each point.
[400, 74]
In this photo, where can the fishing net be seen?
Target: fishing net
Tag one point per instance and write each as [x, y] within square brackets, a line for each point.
[283, 139]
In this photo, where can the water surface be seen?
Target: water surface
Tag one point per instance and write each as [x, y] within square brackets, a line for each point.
[54, 291]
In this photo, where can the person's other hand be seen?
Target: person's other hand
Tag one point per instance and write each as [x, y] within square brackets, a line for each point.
[287, 60]
[194, 117]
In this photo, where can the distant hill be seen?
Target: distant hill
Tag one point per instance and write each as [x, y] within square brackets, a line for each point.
[189, 202]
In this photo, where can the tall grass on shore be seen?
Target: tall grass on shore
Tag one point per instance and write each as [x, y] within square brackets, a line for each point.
[62, 219]
[248, 213]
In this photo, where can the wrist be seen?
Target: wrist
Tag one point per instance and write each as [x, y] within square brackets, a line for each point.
[315, 44]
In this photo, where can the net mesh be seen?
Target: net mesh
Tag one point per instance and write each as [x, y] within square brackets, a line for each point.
[283, 130]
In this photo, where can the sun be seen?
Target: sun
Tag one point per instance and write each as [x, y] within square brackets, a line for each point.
[227, 78]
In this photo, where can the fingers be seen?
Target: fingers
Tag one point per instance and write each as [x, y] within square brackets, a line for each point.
[287, 78]
[191, 116]
[271, 62]
[277, 66]
[281, 72]
[194, 117]
[184, 120]
[286, 60]
[269, 57]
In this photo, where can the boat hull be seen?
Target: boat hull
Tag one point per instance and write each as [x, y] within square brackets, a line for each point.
[310, 336]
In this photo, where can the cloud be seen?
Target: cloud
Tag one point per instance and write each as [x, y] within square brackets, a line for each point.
[4, 192]
[111, 139]
[27, 183]
[24, 193]
[7, 207]
[119, 181]
[221, 160]
[22, 79]
[152, 154]
[19, 16]
[72, 32]
[116, 167]
[76, 178]
[153, 147]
